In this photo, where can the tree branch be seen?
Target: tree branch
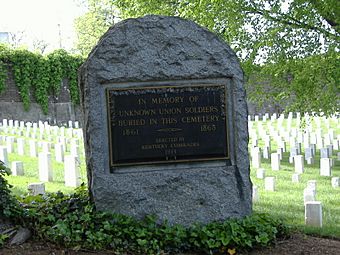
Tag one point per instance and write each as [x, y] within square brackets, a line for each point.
[291, 21]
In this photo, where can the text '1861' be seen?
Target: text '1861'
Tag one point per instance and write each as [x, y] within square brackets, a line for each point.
[167, 124]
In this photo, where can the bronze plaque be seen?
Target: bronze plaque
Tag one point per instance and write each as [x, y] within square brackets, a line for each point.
[167, 124]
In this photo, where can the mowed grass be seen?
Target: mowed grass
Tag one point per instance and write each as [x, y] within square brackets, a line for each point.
[31, 170]
[286, 202]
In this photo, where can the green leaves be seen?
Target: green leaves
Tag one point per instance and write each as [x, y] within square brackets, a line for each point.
[3, 238]
[302, 85]
[40, 77]
[270, 35]
[93, 24]
[123, 234]
[72, 221]
[3, 67]
[9, 206]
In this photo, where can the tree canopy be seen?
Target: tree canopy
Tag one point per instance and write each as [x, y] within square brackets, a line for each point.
[289, 49]
[93, 24]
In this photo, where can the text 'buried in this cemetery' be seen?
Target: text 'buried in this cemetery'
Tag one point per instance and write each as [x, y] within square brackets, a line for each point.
[155, 125]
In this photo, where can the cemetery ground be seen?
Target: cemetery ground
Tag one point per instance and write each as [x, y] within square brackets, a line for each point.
[287, 201]
[297, 244]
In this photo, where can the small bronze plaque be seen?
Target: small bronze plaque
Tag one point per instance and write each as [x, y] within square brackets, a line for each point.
[167, 124]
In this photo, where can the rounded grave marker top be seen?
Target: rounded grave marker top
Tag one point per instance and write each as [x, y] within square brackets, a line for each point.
[149, 59]
[161, 48]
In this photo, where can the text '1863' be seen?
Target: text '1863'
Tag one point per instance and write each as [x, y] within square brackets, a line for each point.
[167, 124]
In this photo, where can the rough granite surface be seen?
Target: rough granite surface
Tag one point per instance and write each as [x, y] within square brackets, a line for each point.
[148, 50]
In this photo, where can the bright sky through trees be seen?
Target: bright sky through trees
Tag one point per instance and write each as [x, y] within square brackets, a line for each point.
[39, 20]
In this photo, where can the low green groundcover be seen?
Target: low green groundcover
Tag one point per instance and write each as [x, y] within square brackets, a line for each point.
[72, 221]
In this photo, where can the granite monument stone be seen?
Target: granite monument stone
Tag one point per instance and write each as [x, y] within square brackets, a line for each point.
[165, 121]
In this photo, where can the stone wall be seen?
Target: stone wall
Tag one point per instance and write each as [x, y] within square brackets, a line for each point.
[61, 109]
[268, 107]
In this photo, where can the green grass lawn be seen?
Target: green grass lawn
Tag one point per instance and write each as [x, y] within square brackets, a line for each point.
[20, 183]
[286, 202]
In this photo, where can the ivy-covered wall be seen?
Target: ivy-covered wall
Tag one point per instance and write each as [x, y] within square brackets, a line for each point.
[44, 87]
[36, 87]
[60, 108]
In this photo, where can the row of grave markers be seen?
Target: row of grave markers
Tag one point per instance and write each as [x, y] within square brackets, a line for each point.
[22, 124]
[60, 146]
[65, 140]
[41, 138]
[307, 138]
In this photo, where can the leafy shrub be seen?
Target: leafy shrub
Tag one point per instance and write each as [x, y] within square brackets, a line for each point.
[2, 240]
[72, 221]
[9, 206]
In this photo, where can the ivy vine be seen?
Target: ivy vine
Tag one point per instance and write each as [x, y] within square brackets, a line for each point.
[3, 75]
[38, 76]
[3, 67]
